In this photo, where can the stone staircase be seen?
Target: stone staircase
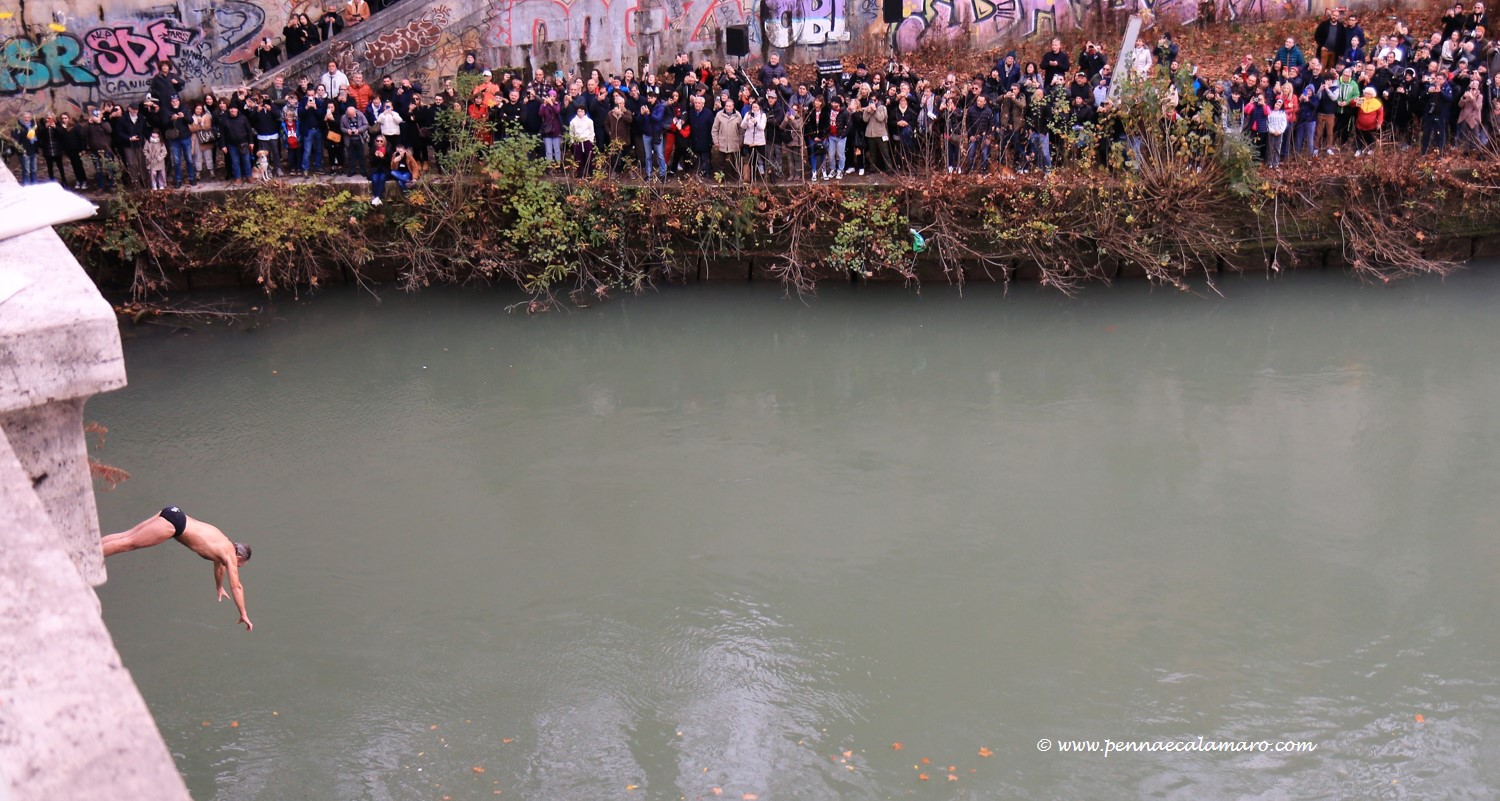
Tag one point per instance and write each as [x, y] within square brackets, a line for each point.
[341, 48]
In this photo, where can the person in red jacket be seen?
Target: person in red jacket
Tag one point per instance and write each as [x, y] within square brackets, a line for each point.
[1369, 116]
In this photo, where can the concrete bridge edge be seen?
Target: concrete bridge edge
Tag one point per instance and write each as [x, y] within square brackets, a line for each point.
[72, 723]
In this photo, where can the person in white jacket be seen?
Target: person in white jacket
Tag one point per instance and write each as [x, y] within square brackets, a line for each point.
[1140, 59]
[581, 128]
[389, 122]
[753, 124]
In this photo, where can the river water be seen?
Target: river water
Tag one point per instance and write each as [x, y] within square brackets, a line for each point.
[712, 538]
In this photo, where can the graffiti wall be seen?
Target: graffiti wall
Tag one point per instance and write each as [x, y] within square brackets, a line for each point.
[63, 49]
[997, 21]
[58, 52]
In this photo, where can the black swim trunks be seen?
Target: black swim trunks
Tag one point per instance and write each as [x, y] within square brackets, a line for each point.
[173, 515]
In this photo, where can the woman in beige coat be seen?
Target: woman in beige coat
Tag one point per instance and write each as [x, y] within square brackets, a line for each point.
[877, 135]
[727, 139]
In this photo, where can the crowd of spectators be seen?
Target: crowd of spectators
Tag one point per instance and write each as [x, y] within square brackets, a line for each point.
[1338, 91]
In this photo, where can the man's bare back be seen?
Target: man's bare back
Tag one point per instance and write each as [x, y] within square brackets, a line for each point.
[201, 538]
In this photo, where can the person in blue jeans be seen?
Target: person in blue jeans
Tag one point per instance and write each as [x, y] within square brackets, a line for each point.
[838, 138]
[235, 138]
[178, 118]
[653, 137]
[25, 136]
[310, 132]
[386, 165]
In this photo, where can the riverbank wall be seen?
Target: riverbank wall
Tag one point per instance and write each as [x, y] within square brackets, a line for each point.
[1380, 221]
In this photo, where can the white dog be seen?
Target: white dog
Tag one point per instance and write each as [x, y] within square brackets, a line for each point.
[262, 167]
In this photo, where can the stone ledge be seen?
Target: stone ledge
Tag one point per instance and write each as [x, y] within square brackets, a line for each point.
[58, 336]
[59, 345]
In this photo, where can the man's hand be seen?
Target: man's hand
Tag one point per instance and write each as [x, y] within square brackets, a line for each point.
[222, 594]
[249, 627]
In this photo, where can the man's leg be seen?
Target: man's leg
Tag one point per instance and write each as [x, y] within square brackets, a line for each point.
[152, 531]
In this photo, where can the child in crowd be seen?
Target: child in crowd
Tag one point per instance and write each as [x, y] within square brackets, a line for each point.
[156, 160]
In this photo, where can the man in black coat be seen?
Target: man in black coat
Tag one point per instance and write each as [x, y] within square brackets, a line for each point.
[701, 119]
[165, 83]
[130, 132]
[1055, 62]
[235, 140]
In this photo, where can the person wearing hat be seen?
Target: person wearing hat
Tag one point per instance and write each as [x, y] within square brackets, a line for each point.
[1080, 89]
[130, 138]
[1369, 116]
[471, 63]
[486, 90]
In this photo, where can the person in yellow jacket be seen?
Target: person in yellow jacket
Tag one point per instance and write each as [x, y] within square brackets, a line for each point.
[1369, 116]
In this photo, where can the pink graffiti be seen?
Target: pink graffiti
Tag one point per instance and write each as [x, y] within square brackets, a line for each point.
[720, 14]
[409, 39]
[522, 23]
[121, 50]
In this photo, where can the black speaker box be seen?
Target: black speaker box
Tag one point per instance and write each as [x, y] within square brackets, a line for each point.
[894, 11]
[737, 40]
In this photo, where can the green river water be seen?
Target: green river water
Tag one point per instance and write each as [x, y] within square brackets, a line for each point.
[712, 538]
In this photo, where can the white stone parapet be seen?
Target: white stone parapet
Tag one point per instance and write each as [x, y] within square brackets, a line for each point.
[72, 724]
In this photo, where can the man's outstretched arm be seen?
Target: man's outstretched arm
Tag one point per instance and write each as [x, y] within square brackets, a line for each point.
[219, 581]
[238, 590]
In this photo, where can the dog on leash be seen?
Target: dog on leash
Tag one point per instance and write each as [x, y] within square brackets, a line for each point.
[262, 170]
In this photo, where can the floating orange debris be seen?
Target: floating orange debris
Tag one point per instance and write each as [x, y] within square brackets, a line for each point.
[717, 790]
[952, 768]
[234, 724]
[896, 746]
[1420, 719]
[922, 777]
[433, 727]
[508, 740]
[207, 723]
[952, 778]
[926, 761]
[848, 754]
[750, 797]
[984, 751]
[632, 787]
[477, 768]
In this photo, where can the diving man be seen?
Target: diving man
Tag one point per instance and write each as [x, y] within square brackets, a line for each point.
[201, 538]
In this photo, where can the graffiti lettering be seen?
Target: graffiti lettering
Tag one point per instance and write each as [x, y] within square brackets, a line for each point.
[527, 23]
[122, 88]
[806, 22]
[236, 23]
[120, 50]
[409, 39]
[26, 66]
